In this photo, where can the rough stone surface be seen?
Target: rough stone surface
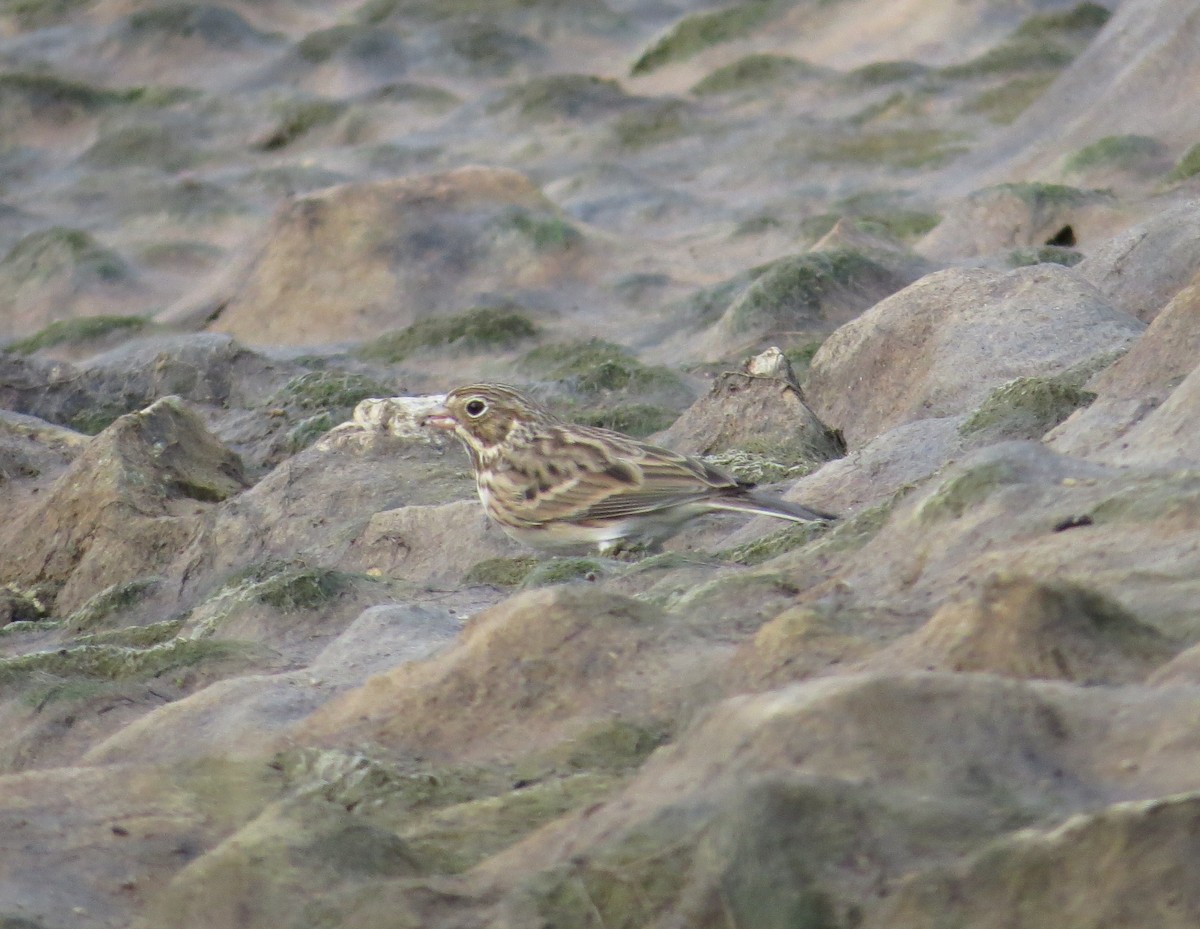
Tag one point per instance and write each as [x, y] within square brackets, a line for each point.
[938, 347]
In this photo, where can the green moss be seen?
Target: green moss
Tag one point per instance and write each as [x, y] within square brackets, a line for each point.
[879, 73]
[1188, 165]
[763, 467]
[757, 225]
[754, 72]
[330, 391]
[1115, 151]
[114, 662]
[212, 24]
[500, 572]
[145, 145]
[793, 536]
[95, 419]
[1025, 408]
[1005, 103]
[134, 636]
[456, 838]
[106, 607]
[595, 367]
[901, 148]
[651, 124]
[545, 232]
[77, 331]
[483, 327]
[613, 746]
[289, 586]
[40, 696]
[790, 291]
[488, 48]
[565, 570]
[48, 93]
[295, 118]
[1043, 254]
[694, 33]
[58, 251]
[1040, 196]
[965, 489]
[307, 431]
[37, 14]
[853, 532]
[1085, 17]
[559, 96]
[635, 419]
[1019, 53]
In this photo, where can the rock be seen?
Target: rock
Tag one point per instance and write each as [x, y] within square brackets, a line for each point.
[939, 347]
[1138, 382]
[124, 508]
[1019, 627]
[348, 262]
[749, 421]
[1097, 868]
[1143, 268]
[995, 220]
[532, 670]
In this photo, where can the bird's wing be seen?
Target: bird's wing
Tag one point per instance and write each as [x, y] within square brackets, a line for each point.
[603, 475]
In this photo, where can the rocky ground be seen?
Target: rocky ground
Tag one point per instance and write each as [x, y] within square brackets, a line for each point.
[264, 664]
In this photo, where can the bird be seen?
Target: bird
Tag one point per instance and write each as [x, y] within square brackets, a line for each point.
[562, 487]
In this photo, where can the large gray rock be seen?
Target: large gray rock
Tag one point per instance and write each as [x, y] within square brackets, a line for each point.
[939, 347]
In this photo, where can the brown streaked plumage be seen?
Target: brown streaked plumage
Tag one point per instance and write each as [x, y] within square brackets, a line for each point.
[556, 485]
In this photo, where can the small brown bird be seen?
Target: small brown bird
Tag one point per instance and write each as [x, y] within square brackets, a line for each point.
[558, 486]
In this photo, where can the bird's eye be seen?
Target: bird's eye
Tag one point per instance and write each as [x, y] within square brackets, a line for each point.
[476, 408]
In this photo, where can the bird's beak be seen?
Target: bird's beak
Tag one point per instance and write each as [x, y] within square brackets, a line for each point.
[439, 419]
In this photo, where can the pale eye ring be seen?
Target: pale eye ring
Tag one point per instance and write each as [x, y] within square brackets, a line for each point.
[476, 408]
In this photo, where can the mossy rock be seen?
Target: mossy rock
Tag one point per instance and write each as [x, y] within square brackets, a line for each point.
[106, 608]
[562, 96]
[788, 293]
[49, 94]
[289, 586]
[95, 419]
[1039, 196]
[900, 148]
[1044, 254]
[60, 251]
[767, 464]
[595, 367]
[307, 431]
[635, 419]
[1005, 103]
[961, 491]
[695, 33]
[880, 73]
[296, 118]
[330, 391]
[152, 146]
[794, 536]
[1044, 41]
[1084, 17]
[651, 124]
[134, 636]
[487, 48]
[1116, 151]
[545, 232]
[116, 662]
[1188, 165]
[754, 72]
[614, 746]
[456, 838]
[213, 25]
[37, 14]
[903, 224]
[1025, 408]
[78, 331]
[566, 570]
[500, 572]
[480, 328]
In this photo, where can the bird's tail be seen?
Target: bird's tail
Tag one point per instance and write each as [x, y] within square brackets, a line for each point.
[750, 501]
